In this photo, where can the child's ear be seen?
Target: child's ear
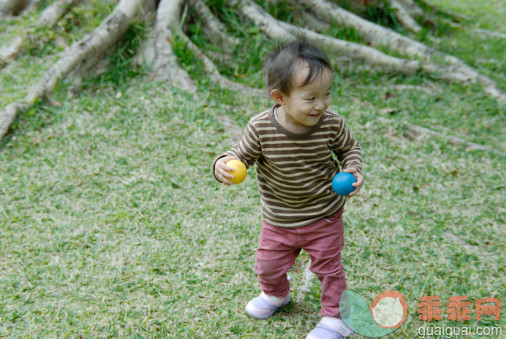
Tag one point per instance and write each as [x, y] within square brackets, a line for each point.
[277, 96]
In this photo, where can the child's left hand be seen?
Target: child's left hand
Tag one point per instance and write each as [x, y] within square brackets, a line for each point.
[360, 180]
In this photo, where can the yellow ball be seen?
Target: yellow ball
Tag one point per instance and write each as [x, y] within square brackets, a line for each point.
[240, 171]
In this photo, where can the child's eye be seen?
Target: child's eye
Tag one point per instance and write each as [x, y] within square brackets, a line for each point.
[327, 94]
[311, 99]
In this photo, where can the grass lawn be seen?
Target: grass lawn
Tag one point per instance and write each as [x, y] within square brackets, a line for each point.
[112, 225]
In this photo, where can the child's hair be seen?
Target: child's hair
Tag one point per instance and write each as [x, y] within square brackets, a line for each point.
[279, 64]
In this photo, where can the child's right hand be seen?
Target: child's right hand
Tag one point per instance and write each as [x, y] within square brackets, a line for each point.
[222, 172]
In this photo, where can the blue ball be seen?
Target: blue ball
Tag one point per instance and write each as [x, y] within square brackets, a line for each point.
[341, 184]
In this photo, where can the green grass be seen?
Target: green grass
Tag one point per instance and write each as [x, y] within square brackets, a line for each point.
[111, 224]
[487, 14]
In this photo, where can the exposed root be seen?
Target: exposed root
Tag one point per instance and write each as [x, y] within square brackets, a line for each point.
[147, 52]
[9, 113]
[13, 7]
[49, 17]
[412, 8]
[148, 10]
[490, 33]
[212, 27]
[476, 30]
[374, 34]
[52, 14]
[31, 6]
[166, 67]
[269, 25]
[17, 7]
[225, 59]
[378, 35]
[283, 31]
[309, 21]
[214, 73]
[404, 17]
[453, 16]
[158, 51]
[427, 89]
[9, 53]
[414, 132]
[93, 44]
[369, 55]
[303, 17]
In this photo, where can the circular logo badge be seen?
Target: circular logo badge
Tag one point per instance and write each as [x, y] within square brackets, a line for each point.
[389, 309]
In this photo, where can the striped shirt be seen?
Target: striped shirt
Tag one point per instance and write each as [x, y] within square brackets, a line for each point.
[295, 170]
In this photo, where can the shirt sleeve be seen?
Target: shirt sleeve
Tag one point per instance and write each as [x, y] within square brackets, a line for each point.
[346, 148]
[248, 149]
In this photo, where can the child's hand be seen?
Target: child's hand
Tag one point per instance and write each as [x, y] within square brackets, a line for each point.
[360, 180]
[222, 171]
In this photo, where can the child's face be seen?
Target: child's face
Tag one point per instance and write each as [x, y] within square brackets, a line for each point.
[304, 106]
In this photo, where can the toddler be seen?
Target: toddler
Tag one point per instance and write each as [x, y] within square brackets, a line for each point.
[292, 145]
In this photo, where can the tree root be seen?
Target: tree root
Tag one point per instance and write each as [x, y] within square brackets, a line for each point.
[48, 18]
[412, 8]
[166, 67]
[212, 27]
[321, 16]
[52, 14]
[212, 70]
[425, 89]
[307, 19]
[453, 16]
[404, 16]
[490, 33]
[475, 30]
[225, 59]
[93, 44]
[414, 132]
[378, 35]
[374, 34]
[13, 7]
[282, 31]
[9, 113]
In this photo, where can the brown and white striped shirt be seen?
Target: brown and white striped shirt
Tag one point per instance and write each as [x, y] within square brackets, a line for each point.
[295, 170]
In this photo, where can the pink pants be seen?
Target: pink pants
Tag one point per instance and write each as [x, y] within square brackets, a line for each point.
[279, 247]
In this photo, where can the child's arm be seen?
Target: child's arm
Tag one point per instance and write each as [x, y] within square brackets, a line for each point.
[349, 154]
[247, 150]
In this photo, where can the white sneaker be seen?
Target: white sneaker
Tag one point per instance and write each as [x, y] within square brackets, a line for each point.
[264, 306]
